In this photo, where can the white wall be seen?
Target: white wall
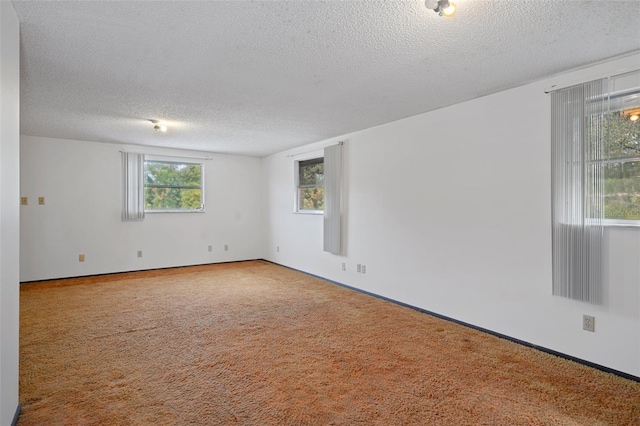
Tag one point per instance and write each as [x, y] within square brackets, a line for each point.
[81, 183]
[450, 212]
[9, 213]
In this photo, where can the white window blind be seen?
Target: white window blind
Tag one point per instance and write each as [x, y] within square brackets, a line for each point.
[132, 186]
[333, 199]
[577, 138]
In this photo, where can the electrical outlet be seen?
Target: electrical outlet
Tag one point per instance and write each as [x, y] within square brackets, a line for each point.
[41, 201]
[277, 249]
[210, 248]
[344, 266]
[24, 201]
[589, 323]
[81, 258]
[364, 269]
[226, 247]
[359, 267]
[139, 253]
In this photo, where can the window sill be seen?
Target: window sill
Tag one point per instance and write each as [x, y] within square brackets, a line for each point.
[610, 223]
[173, 211]
[311, 212]
[633, 224]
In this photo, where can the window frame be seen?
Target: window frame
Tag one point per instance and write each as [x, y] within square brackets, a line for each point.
[296, 208]
[175, 160]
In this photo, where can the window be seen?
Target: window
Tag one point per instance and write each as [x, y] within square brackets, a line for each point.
[310, 185]
[621, 128]
[595, 177]
[173, 186]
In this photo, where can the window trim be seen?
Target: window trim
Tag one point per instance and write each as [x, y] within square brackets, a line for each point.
[296, 171]
[177, 160]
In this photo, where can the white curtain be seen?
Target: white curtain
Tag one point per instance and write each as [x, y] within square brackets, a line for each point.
[333, 199]
[577, 117]
[132, 186]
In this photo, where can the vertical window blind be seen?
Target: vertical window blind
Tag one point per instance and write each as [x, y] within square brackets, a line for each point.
[132, 186]
[577, 138]
[333, 199]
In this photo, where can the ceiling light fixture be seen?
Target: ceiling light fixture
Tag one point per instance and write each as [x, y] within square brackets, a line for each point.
[444, 8]
[158, 127]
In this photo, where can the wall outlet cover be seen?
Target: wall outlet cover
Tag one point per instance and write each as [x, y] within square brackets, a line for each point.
[589, 323]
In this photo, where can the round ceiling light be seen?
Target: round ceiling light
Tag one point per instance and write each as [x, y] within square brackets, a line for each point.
[158, 127]
[441, 7]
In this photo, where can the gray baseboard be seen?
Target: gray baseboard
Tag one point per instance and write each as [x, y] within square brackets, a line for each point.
[16, 415]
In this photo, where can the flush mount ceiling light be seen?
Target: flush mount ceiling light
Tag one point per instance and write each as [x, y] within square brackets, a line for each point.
[441, 7]
[158, 127]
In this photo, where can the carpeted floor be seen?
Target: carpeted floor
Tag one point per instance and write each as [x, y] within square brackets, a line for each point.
[253, 343]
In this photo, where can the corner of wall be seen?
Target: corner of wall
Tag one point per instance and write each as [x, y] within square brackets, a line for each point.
[9, 210]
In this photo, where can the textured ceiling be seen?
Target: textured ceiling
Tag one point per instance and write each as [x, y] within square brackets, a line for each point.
[258, 77]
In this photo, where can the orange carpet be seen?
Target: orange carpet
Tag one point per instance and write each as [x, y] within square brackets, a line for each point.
[254, 343]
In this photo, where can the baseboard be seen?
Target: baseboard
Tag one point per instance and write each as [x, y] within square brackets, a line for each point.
[14, 422]
[475, 327]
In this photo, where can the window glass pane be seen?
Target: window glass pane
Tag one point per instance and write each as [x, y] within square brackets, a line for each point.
[312, 172]
[622, 135]
[621, 126]
[311, 198]
[173, 174]
[173, 185]
[172, 199]
[622, 190]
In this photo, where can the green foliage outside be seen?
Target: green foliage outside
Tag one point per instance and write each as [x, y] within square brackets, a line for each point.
[172, 186]
[311, 190]
[622, 179]
[312, 198]
[622, 191]
[621, 136]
